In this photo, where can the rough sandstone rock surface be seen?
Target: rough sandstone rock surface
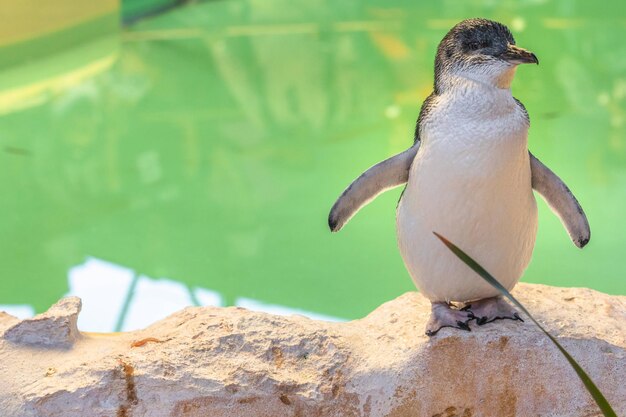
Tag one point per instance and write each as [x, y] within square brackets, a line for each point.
[56, 327]
[232, 362]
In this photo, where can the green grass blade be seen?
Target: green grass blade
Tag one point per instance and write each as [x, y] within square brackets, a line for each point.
[602, 402]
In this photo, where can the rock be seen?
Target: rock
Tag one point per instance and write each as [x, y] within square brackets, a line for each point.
[55, 328]
[6, 321]
[221, 362]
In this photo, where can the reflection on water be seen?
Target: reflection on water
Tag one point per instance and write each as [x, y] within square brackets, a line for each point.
[212, 149]
[115, 298]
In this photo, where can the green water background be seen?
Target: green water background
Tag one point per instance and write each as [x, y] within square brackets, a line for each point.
[213, 148]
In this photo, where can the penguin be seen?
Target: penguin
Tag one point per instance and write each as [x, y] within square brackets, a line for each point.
[470, 177]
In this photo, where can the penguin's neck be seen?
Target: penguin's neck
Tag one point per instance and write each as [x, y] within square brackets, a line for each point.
[486, 82]
[470, 114]
[468, 98]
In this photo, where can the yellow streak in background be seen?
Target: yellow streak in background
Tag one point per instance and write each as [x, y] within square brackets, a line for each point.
[32, 94]
[259, 30]
[390, 45]
[556, 23]
[171, 34]
[254, 30]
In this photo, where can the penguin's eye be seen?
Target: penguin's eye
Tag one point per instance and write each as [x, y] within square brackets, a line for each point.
[475, 45]
[472, 46]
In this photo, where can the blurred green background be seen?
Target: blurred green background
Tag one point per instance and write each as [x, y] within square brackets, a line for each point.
[203, 143]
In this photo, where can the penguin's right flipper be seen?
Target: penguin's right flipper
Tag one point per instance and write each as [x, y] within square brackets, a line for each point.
[561, 201]
[387, 174]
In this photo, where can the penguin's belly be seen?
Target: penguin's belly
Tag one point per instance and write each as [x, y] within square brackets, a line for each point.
[481, 199]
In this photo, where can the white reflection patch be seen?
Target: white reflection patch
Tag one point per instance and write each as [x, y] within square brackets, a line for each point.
[102, 286]
[208, 298]
[155, 299]
[21, 311]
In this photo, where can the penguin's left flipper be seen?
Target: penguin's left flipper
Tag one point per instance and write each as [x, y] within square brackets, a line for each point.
[561, 201]
[387, 174]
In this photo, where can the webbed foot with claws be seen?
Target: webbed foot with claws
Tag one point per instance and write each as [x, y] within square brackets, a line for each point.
[490, 309]
[446, 315]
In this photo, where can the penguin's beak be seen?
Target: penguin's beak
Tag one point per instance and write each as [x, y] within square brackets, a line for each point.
[516, 55]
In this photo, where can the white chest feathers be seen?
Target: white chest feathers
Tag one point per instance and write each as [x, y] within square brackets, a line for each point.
[471, 182]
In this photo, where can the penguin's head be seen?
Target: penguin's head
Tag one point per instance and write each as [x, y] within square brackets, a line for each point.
[481, 50]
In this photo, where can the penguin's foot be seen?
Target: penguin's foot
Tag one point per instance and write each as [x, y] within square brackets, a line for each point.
[491, 309]
[445, 315]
